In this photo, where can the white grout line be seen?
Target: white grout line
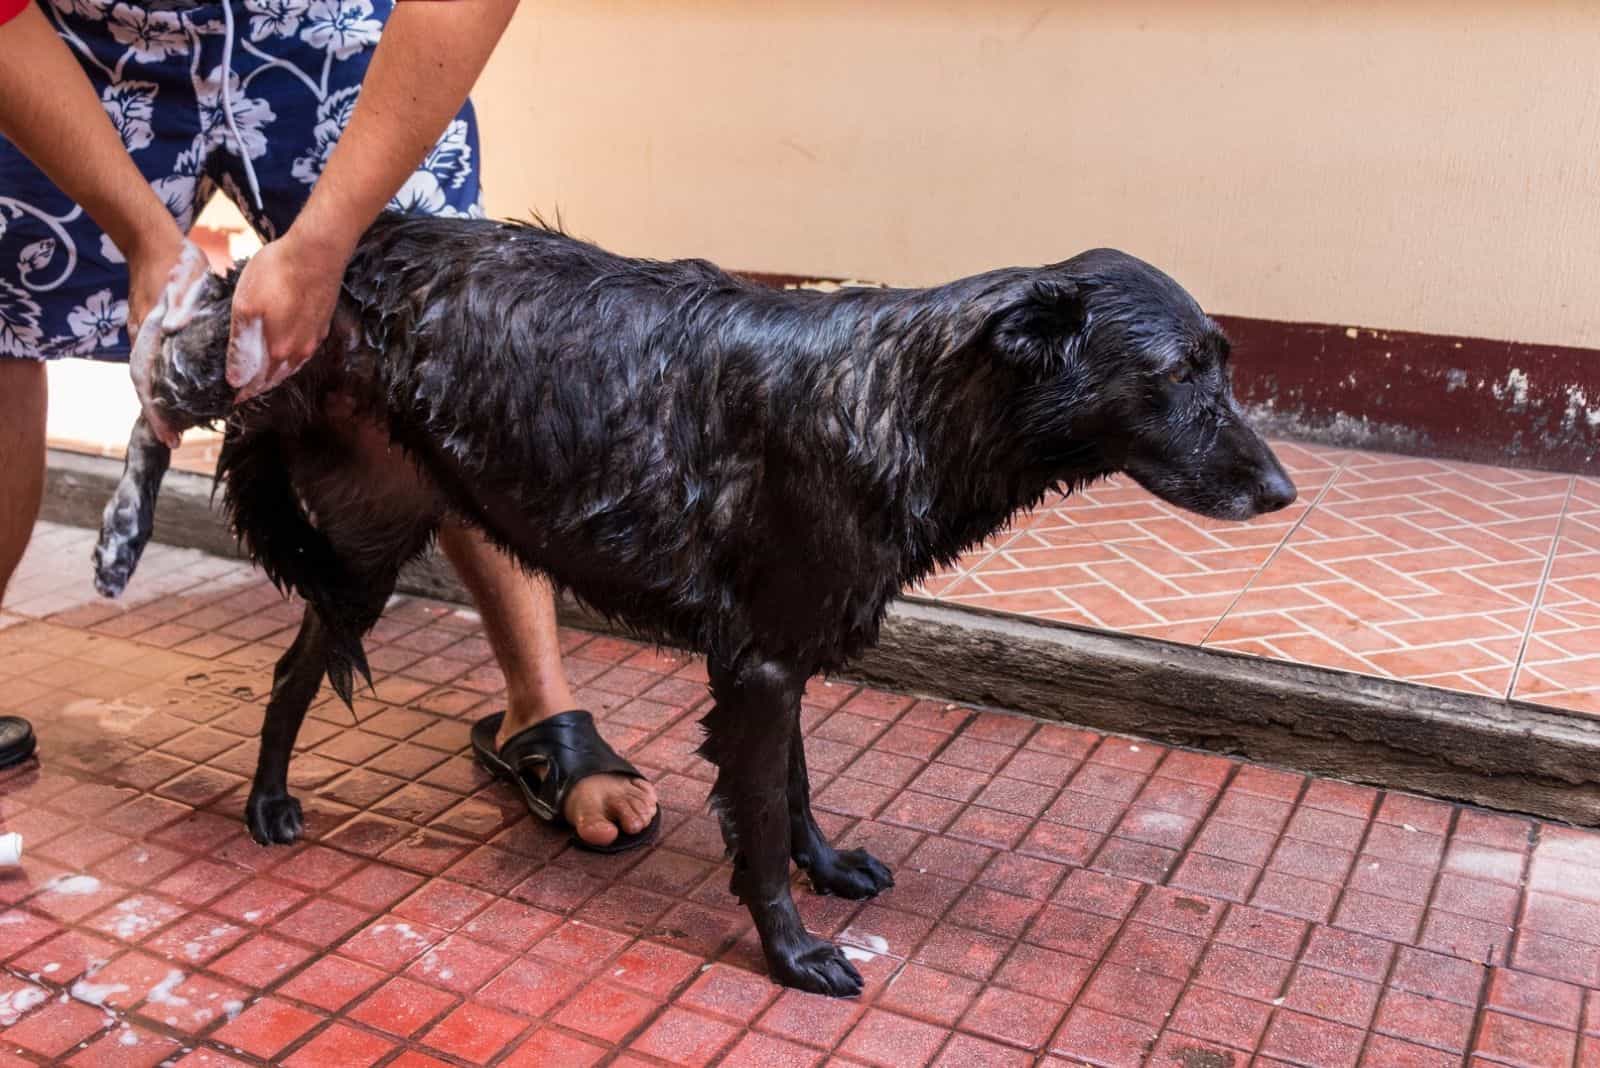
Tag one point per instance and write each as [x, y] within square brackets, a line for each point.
[1288, 535]
[1544, 584]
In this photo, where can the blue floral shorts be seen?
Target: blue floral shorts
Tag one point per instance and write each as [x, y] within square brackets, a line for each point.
[195, 90]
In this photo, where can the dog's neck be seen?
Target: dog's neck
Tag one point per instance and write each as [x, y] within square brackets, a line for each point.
[981, 486]
[933, 424]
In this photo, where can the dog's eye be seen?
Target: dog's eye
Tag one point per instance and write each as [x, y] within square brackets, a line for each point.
[1182, 373]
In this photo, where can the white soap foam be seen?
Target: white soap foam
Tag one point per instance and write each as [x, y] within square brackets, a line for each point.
[861, 947]
[17, 1003]
[94, 993]
[73, 885]
[162, 992]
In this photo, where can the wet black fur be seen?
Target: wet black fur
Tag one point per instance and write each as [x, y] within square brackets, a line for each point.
[749, 473]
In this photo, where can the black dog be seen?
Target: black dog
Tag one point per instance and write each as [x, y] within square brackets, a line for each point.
[745, 472]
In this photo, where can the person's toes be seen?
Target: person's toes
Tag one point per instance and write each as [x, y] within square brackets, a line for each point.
[594, 826]
[632, 814]
[585, 808]
[645, 789]
[603, 806]
[632, 804]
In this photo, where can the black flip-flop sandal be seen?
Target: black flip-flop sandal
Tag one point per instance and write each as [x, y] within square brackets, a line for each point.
[546, 760]
[17, 741]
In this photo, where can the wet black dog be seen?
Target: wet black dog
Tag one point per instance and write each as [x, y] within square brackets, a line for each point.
[749, 473]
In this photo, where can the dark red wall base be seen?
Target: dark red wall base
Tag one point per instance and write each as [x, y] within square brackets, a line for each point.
[1434, 395]
[1457, 398]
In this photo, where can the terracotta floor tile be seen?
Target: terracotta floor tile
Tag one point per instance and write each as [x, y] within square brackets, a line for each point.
[341, 1045]
[1509, 1040]
[1134, 992]
[1308, 1040]
[266, 1028]
[685, 1038]
[1220, 1017]
[1243, 972]
[1013, 1018]
[604, 1011]
[1426, 1021]
[1103, 1039]
[332, 983]
[756, 1050]
[54, 1028]
[474, 1033]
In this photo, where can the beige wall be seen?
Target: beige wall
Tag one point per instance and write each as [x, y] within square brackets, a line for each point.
[1426, 166]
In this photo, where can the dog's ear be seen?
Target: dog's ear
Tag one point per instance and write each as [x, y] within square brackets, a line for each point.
[1039, 323]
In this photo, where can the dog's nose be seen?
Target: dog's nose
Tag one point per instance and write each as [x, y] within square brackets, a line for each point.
[1275, 492]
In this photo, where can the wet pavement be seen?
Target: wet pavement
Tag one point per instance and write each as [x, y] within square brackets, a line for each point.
[1062, 896]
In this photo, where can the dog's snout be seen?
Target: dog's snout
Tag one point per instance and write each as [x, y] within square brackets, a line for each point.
[1275, 492]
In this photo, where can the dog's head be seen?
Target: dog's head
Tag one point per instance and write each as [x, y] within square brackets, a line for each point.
[1122, 364]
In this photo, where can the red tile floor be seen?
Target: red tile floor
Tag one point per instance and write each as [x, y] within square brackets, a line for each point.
[1063, 897]
[1471, 578]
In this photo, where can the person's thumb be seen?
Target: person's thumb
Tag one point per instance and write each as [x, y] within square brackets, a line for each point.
[247, 356]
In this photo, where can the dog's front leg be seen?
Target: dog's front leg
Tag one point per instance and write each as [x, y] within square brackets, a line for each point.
[748, 737]
[271, 813]
[852, 873]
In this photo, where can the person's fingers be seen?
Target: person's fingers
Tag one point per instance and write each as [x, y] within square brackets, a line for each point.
[185, 285]
[273, 376]
[163, 432]
[141, 368]
[247, 356]
[283, 371]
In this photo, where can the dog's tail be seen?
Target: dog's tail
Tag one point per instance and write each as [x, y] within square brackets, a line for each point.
[272, 525]
[130, 514]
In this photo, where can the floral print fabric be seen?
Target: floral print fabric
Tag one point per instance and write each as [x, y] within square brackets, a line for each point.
[295, 73]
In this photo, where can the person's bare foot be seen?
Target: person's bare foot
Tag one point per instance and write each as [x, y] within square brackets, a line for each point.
[599, 807]
[519, 619]
[601, 804]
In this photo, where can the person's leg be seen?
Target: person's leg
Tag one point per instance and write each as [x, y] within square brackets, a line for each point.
[22, 420]
[519, 619]
[63, 285]
[518, 610]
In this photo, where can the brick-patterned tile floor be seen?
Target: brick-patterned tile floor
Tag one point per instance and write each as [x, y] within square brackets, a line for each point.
[1062, 897]
[1479, 579]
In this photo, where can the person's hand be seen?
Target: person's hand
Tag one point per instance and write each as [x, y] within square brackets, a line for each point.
[281, 310]
[163, 287]
[150, 269]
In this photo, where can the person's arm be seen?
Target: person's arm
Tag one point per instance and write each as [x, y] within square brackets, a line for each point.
[51, 113]
[422, 70]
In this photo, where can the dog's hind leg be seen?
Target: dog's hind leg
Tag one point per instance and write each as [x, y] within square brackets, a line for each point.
[851, 873]
[749, 731]
[130, 514]
[272, 815]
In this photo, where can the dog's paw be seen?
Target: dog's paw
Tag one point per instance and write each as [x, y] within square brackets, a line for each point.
[816, 967]
[273, 820]
[122, 542]
[853, 874]
[111, 574]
